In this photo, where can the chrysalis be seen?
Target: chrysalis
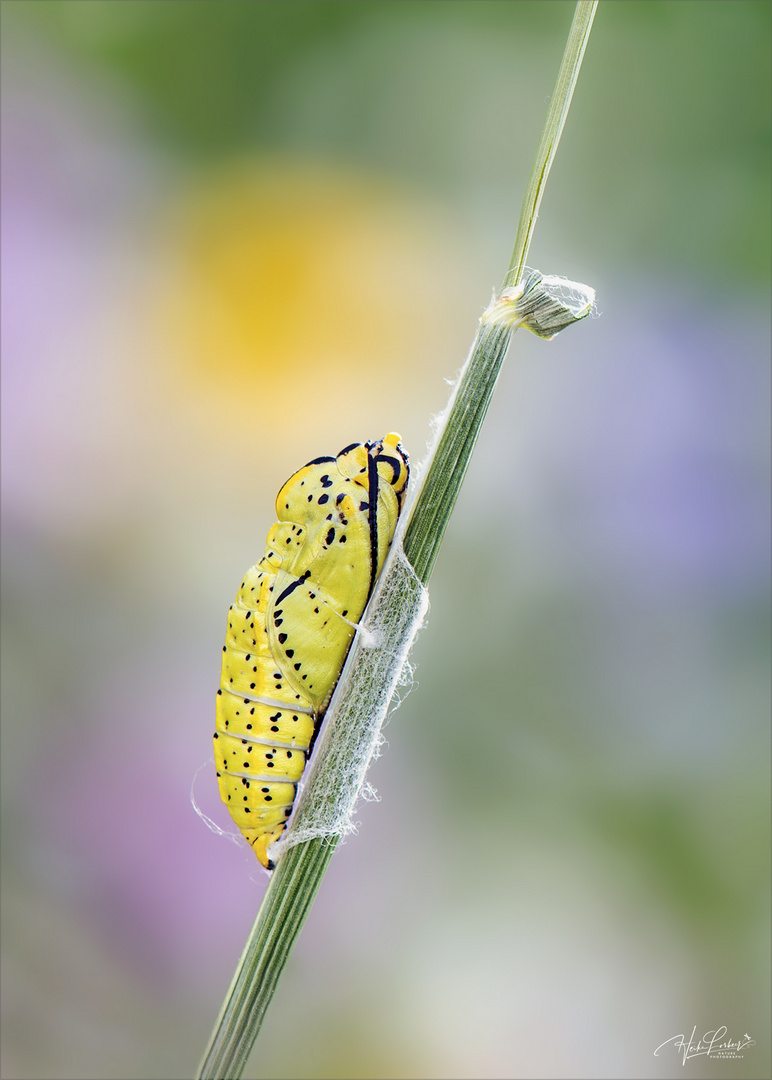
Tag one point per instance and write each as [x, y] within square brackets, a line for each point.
[292, 623]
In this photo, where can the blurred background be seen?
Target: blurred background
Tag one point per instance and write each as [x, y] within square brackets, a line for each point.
[237, 236]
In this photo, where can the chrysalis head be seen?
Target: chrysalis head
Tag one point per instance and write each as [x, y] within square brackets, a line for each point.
[392, 463]
[355, 462]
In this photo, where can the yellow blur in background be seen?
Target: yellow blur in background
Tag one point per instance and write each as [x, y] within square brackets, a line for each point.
[239, 236]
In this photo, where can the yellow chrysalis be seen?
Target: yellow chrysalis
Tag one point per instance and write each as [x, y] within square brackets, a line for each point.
[292, 624]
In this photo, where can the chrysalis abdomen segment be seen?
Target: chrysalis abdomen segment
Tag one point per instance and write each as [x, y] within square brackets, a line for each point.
[291, 626]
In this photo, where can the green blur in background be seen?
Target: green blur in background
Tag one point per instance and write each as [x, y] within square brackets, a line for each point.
[240, 235]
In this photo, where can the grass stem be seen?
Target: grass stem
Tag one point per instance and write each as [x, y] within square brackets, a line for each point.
[300, 868]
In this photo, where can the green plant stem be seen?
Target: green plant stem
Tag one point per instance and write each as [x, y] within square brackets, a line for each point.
[560, 103]
[284, 909]
[446, 472]
[300, 869]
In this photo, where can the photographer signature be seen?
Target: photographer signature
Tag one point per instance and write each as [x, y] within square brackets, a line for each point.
[713, 1044]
